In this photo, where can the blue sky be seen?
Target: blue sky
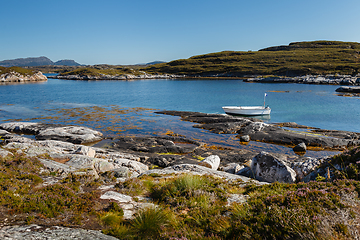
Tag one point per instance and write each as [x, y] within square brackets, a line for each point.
[140, 31]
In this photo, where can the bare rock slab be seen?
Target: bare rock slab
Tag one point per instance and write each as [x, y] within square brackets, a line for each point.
[66, 133]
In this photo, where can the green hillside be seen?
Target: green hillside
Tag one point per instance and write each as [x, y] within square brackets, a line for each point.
[97, 70]
[298, 58]
[23, 71]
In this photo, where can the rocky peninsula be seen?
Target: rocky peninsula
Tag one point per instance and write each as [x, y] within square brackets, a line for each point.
[16, 77]
[310, 79]
[116, 77]
[66, 188]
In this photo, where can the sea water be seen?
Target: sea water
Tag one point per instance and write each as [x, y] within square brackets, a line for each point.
[313, 105]
[68, 101]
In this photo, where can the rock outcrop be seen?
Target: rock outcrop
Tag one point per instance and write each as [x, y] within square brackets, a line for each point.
[268, 168]
[73, 134]
[256, 130]
[15, 77]
[310, 79]
[34, 231]
[346, 89]
[118, 77]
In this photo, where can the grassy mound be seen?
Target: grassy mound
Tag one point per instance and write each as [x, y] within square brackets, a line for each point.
[299, 58]
[23, 71]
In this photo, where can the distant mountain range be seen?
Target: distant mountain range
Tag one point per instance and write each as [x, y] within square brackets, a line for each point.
[36, 61]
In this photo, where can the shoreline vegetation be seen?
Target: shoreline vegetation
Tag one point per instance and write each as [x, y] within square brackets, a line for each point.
[52, 186]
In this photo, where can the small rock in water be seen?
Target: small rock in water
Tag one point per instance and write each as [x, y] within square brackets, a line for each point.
[301, 147]
[245, 138]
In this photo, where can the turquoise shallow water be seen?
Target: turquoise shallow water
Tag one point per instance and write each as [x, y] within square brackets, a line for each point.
[312, 105]
[113, 106]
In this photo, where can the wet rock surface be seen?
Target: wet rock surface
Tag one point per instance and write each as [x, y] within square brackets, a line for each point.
[256, 130]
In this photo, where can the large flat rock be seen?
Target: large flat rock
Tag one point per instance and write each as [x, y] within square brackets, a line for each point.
[67, 133]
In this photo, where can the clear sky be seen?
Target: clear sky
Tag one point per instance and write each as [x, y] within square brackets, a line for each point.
[140, 31]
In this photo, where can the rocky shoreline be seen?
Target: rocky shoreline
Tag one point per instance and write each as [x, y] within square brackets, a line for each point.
[310, 79]
[59, 149]
[15, 77]
[117, 77]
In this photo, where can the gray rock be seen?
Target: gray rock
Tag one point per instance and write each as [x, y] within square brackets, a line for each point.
[212, 162]
[232, 168]
[201, 170]
[121, 172]
[4, 153]
[301, 147]
[119, 197]
[73, 134]
[267, 167]
[32, 232]
[236, 198]
[86, 151]
[306, 167]
[133, 166]
[244, 138]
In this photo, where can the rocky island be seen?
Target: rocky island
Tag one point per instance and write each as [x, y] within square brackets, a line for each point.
[57, 184]
[20, 75]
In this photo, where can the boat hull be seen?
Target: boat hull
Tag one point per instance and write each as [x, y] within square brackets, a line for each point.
[247, 111]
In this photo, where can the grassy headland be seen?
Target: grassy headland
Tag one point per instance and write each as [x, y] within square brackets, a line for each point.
[295, 59]
[23, 71]
[298, 58]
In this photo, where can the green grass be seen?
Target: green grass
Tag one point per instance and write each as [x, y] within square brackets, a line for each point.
[318, 57]
[99, 70]
[23, 71]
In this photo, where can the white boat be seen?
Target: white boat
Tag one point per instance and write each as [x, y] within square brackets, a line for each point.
[247, 110]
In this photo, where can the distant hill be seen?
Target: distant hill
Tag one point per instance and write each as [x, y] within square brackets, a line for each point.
[150, 63]
[36, 61]
[298, 58]
[66, 62]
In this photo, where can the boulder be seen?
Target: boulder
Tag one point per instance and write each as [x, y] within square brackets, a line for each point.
[267, 167]
[121, 172]
[212, 162]
[301, 147]
[244, 138]
[232, 168]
